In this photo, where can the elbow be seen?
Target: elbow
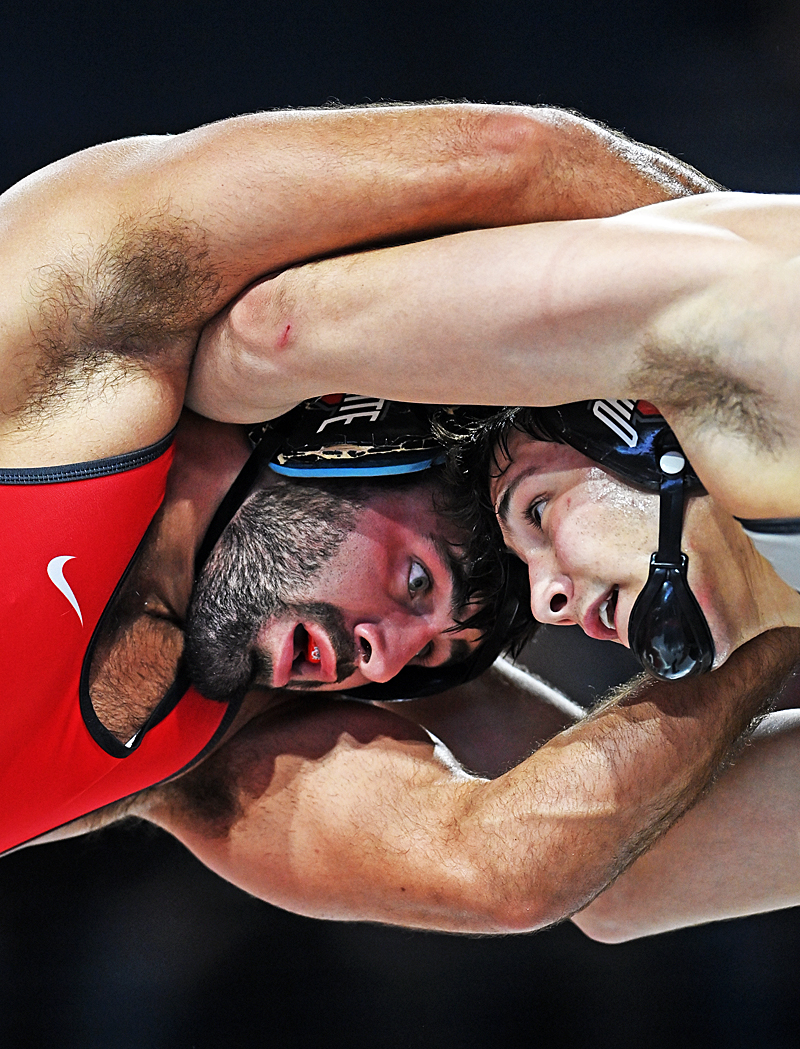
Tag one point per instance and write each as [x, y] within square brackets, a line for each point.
[525, 133]
[533, 911]
[239, 369]
[521, 916]
[546, 154]
[513, 902]
[258, 325]
[605, 922]
[524, 884]
[508, 150]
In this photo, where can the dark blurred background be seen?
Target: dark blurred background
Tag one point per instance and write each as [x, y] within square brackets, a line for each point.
[123, 940]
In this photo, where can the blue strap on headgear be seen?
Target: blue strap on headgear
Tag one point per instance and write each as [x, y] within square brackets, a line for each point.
[347, 435]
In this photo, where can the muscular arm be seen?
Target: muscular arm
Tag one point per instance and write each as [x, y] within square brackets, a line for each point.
[346, 812]
[569, 168]
[112, 259]
[693, 304]
[735, 853]
[489, 724]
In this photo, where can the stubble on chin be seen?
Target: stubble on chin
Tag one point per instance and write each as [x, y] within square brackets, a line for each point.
[275, 545]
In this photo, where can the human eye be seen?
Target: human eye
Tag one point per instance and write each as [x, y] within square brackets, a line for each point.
[534, 511]
[424, 656]
[419, 582]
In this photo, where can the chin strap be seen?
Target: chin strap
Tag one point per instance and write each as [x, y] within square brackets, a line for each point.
[667, 631]
[274, 434]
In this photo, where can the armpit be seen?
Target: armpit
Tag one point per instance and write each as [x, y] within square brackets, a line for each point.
[707, 395]
[136, 301]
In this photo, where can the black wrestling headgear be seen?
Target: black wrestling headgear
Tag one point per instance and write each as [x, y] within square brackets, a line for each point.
[667, 631]
[349, 436]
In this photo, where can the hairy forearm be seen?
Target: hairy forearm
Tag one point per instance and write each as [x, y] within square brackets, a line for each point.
[488, 166]
[605, 790]
[278, 188]
[587, 170]
[344, 816]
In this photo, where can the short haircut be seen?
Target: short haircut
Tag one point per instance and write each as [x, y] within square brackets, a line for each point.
[473, 438]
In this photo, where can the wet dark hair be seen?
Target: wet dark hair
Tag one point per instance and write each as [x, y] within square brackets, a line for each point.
[473, 438]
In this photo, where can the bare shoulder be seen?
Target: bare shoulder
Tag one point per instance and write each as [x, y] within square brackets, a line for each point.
[99, 309]
[112, 259]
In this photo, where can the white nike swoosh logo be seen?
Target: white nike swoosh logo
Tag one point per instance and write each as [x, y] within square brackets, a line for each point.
[56, 572]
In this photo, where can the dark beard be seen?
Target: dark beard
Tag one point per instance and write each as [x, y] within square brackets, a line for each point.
[278, 540]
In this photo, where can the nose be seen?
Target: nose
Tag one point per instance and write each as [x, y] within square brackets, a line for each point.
[552, 594]
[388, 645]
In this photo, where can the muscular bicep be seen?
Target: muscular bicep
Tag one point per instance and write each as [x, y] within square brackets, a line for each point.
[112, 259]
[270, 189]
[337, 810]
[262, 191]
[125, 249]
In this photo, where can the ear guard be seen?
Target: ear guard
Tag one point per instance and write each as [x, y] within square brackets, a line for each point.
[350, 436]
[667, 631]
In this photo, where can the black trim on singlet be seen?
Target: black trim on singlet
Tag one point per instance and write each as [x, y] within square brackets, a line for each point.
[772, 525]
[179, 687]
[177, 690]
[115, 464]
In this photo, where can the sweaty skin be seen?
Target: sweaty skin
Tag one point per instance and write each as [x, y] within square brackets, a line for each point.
[691, 304]
[587, 538]
[114, 258]
[112, 261]
[347, 812]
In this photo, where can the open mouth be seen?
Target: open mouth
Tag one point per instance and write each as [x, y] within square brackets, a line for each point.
[309, 652]
[608, 609]
[305, 649]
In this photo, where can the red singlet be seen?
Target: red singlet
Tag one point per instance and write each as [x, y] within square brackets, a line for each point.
[67, 537]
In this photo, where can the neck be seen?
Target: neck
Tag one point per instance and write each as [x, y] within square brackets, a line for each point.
[146, 627]
[742, 594]
[208, 457]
